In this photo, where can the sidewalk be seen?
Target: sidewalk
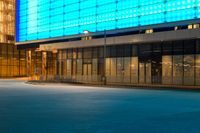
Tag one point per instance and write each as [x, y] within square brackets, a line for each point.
[117, 85]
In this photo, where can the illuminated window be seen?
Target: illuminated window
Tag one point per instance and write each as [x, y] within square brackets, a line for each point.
[193, 26]
[149, 31]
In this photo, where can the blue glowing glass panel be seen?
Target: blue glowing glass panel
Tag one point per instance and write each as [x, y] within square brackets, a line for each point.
[43, 19]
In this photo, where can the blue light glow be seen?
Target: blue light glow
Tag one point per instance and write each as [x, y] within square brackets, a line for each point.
[42, 19]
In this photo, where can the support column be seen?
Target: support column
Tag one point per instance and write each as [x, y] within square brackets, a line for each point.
[29, 64]
[44, 66]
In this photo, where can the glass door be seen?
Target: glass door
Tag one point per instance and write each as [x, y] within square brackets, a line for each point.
[145, 72]
[157, 70]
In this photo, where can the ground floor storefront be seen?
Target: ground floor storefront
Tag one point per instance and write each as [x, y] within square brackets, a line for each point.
[164, 63]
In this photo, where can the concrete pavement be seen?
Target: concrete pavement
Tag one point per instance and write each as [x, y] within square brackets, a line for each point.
[62, 108]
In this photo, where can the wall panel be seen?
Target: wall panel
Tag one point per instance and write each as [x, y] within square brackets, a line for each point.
[41, 19]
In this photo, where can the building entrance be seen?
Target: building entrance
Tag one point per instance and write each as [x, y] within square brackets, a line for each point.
[156, 71]
[150, 71]
[87, 69]
[145, 72]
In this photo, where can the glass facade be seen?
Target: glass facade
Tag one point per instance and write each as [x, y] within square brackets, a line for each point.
[167, 63]
[12, 61]
[7, 21]
[42, 19]
[40, 65]
[175, 62]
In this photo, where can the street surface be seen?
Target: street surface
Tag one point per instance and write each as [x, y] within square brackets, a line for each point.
[62, 108]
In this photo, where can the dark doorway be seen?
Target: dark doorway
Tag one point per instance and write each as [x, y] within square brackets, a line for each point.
[156, 70]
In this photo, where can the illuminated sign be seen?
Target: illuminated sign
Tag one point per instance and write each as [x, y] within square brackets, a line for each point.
[43, 19]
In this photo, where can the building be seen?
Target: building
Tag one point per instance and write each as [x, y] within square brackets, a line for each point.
[12, 61]
[111, 41]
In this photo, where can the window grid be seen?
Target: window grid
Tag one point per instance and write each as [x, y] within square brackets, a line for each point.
[41, 19]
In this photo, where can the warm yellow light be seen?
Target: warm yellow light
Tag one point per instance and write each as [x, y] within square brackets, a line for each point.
[86, 32]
